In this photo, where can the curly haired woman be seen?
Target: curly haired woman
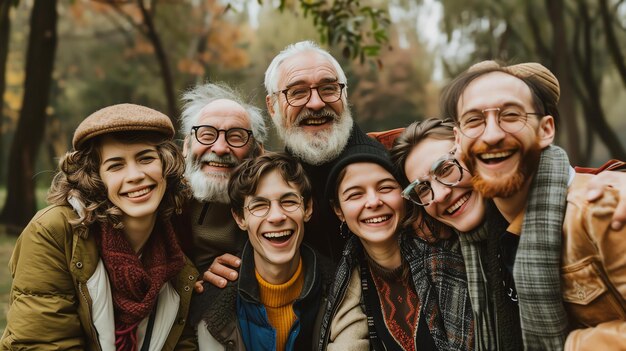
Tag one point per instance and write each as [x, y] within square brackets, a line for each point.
[101, 267]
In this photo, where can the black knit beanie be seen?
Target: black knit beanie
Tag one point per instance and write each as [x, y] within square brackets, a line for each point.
[361, 149]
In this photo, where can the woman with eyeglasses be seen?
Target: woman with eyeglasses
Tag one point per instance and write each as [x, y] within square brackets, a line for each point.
[101, 267]
[411, 295]
[441, 187]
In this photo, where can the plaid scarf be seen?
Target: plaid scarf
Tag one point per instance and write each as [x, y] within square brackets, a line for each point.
[497, 319]
[538, 258]
[438, 273]
[136, 282]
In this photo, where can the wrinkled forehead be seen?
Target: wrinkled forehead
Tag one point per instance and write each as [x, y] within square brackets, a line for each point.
[494, 89]
[224, 113]
[307, 67]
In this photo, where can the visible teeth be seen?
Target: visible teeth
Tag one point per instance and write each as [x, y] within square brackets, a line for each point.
[490, 155]
[458, 204]
[377, 219]
[218, 164]
[315, 121]
[277, 234]
[138, 192]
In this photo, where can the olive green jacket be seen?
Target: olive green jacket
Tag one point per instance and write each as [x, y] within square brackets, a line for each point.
[50, 306]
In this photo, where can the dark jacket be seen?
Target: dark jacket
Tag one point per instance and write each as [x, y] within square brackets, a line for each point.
[438, 274]
[236, 319]
[324, 222]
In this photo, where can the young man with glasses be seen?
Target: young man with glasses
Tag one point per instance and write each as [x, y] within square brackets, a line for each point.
[275, 303]
[220, 131]
[563, 260]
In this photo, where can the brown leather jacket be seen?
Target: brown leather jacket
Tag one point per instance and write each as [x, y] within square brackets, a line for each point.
[593, 271]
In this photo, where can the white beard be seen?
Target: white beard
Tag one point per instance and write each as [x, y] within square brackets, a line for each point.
[320, 147]
[212, 186]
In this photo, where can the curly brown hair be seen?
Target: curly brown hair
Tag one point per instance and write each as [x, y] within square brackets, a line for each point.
[78, 181]
[412, 135]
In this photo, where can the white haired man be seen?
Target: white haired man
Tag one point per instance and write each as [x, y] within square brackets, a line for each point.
[220, 131]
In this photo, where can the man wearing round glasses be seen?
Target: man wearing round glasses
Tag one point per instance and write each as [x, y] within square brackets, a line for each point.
[220, 132]
[561, 256]
[276, 301]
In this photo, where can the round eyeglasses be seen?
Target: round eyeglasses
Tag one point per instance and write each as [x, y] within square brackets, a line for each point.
[260, 206]
[446, 171]
[235, 137]
[510, 119]
[299, 95]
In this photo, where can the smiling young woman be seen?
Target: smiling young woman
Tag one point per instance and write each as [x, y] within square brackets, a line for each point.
[414, 292]
[101, 267]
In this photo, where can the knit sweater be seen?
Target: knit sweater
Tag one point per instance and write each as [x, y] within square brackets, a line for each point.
[278, 301]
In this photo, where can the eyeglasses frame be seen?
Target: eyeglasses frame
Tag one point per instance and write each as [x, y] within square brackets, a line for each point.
[247, 207]
[498, 117]
[341, 87]
[195, 133]
[409, 188]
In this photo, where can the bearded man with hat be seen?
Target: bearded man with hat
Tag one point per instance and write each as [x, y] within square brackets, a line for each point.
[101, 267]
[546, 270]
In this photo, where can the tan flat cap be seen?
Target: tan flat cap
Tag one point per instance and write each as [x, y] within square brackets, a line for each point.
[121, 118]
[525, 70]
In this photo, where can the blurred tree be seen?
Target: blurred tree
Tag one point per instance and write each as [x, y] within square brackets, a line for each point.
[393, 94]
[570, 37]
[5, 29]
[20, 203]
[137, 45]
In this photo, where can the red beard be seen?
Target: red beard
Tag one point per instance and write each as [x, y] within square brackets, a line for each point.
[503, 187]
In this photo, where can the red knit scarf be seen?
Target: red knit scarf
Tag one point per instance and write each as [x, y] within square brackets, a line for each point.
[136, 282]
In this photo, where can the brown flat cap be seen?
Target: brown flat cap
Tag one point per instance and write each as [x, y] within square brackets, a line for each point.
[524, 70]
[121, 118]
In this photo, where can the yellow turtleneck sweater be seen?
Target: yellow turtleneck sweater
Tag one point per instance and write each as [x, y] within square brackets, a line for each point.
[278, 301]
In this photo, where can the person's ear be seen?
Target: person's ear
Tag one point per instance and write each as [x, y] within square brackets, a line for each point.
[270, 106]
[186, 146]
[338, 211]
[457, 138]
[308, 212]
[241, 222]
[546, 132]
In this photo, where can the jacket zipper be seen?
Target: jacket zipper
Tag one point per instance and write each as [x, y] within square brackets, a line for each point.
[94, 334]
[343, 296]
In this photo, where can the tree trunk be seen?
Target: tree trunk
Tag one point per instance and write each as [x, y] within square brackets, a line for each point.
[611, 40]
[20, 204]
[563, 71]
[5, 31]
[592, 86]
[166, 73]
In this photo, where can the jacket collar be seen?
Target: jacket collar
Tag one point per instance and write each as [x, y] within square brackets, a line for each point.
[249, 288]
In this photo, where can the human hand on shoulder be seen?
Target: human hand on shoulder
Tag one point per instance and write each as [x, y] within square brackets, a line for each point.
[222, 269]
[613, 179]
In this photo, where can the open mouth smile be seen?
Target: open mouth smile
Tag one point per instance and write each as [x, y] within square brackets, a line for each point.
[495, 157]
[460, 202]
[138, 193]
[376, 220]
[316, 121]
[218, 164]
[278, 237]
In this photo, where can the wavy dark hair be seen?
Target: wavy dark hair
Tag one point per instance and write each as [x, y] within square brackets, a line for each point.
[416, 132]
[78, 181]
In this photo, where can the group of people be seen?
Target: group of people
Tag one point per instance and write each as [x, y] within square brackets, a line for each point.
[466, 233]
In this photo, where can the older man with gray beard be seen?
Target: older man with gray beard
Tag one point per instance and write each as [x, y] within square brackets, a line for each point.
[307, 99]
[220, 131]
